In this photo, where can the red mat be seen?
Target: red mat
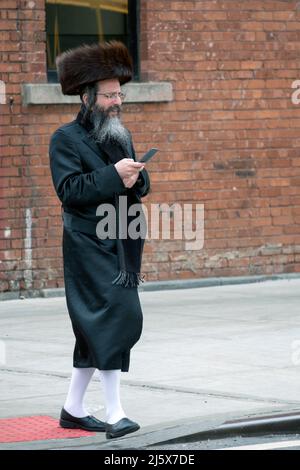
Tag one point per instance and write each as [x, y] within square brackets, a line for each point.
[36, 428]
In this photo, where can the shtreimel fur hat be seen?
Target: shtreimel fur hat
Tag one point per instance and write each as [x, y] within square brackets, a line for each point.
[91, 63]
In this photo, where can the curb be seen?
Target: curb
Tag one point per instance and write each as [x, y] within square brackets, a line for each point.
[177, 432]
[161, 285]
[277, 423]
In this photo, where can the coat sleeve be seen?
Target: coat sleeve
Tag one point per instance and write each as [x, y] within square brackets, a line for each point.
[142, 185]
[73, 187]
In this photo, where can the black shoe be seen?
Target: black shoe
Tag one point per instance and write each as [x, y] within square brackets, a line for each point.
[120, 428]
[88, 423]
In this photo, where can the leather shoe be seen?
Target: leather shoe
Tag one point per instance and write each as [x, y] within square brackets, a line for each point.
[88, 423]
[120, 428]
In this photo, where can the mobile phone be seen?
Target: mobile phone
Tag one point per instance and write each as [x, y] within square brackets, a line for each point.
[148, 155]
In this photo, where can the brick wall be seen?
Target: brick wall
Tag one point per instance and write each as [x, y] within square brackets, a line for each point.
[228, 140]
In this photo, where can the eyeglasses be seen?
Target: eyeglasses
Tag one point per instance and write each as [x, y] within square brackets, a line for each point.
[114, 95]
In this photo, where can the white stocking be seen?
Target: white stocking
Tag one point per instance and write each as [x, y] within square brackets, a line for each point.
[79, 382]
[111, 387]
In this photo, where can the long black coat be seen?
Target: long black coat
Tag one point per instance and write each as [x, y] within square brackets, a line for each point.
[106, 319]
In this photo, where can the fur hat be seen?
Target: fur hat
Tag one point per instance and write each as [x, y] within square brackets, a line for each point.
[91, 63]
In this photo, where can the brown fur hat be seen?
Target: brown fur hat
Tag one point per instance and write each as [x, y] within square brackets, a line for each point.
[91, 63]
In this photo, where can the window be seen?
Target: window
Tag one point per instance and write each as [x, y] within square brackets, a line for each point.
[70, 23]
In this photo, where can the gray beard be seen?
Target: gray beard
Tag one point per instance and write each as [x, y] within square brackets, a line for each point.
[108, 129]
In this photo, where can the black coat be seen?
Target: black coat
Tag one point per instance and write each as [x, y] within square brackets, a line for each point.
[106, 319]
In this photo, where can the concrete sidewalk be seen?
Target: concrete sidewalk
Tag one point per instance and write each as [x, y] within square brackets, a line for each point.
[206, 355]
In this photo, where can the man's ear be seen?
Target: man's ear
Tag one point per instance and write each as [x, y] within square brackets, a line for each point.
[84, 98]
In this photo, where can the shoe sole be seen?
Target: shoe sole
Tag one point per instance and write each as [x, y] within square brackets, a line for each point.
[109, 435]
[69, 425]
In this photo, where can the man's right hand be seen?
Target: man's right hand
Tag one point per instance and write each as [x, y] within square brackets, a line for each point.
[129, 171]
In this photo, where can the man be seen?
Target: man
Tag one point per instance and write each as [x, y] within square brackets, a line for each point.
[93, 162]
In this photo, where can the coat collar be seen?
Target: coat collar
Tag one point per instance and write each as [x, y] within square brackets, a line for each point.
[83, 131]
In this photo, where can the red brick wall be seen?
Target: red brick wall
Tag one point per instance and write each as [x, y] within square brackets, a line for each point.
[229, 139]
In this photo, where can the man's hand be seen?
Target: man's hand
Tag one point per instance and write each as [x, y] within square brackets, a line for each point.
[129, 171]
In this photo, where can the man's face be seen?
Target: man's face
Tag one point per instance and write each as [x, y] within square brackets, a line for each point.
[105, 114]
[104, 102]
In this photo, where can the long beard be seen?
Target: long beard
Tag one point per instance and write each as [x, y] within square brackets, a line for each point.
[108, 128]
